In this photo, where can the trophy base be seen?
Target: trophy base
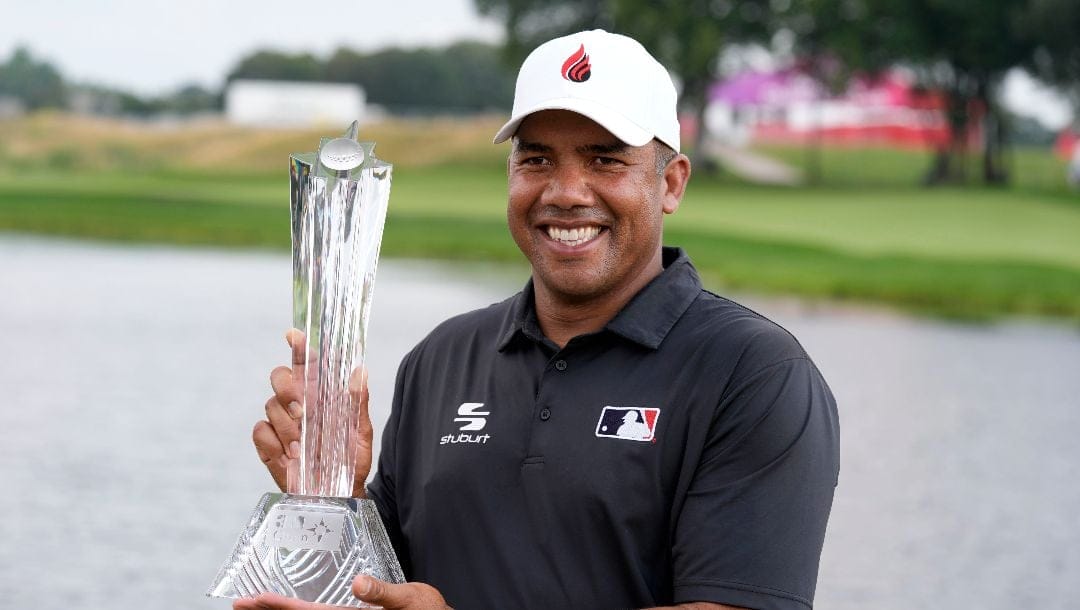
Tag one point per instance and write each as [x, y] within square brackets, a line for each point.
[309, 548]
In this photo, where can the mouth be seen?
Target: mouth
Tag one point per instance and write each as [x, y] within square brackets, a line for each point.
[576, 236]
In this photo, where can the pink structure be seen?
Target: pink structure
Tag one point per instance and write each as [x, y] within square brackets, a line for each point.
[1066, 143]
[788, 106]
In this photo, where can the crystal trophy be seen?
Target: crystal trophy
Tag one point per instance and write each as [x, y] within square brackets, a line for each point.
[311, 542]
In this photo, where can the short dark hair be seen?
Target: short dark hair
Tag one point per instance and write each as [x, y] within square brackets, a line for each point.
[664, 155]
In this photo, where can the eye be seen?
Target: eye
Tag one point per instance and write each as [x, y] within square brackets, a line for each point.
[608, 161]
[534, 160]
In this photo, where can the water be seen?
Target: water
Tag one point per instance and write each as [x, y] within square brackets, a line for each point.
[135, 374]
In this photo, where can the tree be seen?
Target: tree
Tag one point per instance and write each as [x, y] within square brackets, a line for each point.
[960, 49]
[191, 99]
[463, 77]
[1055, 26]
[36, 84]
[531, 22]
[688, 36]
[274, 65]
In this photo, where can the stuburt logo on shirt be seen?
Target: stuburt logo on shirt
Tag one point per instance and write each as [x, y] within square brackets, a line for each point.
[628, 423]
[470, 419]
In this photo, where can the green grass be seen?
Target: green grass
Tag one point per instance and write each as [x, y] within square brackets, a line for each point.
[869, 234]
[972, 254]
[842, 166]
[952, 224]
[970, 290]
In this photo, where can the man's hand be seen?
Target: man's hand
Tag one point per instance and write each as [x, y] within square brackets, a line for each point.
[407, 596]
[277, 438]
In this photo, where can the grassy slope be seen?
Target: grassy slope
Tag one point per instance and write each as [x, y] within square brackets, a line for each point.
[971, 253]
[947, 223]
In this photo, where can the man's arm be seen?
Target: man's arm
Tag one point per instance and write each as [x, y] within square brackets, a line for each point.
[751, 528]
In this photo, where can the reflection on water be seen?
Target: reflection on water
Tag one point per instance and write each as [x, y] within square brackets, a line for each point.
[134, 376]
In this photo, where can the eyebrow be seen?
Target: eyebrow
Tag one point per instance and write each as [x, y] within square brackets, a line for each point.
[599, 149]
[604, 149]
[525, 146]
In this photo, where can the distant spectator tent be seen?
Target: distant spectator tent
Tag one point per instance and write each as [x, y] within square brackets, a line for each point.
[789, 107]
[269, 103]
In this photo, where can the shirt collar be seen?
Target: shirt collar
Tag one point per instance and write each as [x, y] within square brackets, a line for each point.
[645, 320]
[521, 319]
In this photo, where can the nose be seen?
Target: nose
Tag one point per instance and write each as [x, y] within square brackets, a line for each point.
[568, 187]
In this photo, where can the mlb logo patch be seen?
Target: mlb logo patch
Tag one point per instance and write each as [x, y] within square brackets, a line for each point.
[628, 423]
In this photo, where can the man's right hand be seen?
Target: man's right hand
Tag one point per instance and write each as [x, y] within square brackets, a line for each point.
[277, 438]
[405, 596]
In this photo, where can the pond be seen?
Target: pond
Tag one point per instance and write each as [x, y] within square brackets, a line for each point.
[135, 373]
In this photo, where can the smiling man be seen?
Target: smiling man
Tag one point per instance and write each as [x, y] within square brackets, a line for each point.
[587, 210]
[613, 436]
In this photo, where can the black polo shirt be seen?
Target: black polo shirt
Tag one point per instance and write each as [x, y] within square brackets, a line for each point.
[686, 452]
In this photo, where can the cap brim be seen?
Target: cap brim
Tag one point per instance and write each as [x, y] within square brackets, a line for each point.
[619, 126]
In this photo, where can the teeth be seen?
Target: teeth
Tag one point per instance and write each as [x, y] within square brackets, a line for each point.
[573, 237]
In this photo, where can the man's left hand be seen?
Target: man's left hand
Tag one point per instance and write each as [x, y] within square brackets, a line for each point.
[406, 596]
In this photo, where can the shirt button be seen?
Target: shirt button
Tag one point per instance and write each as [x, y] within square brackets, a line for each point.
[545, 414]
[560, 364]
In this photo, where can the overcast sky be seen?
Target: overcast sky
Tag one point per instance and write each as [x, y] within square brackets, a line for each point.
[153, 46]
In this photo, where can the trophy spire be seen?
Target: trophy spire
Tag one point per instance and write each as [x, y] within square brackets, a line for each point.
[353, 131]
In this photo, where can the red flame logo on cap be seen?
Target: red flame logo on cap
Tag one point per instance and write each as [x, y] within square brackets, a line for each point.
[577, 68]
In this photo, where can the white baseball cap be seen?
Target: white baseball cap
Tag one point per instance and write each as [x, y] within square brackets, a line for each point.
[606, 77]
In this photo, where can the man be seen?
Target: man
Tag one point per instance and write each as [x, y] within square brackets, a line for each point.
[720, 497]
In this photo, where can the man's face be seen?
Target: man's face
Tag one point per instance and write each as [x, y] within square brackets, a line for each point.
[585, 208]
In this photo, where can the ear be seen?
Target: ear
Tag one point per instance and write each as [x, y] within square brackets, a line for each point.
[676, 175]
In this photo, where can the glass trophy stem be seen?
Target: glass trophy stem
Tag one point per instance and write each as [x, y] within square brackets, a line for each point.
[337, 229]
[311, 542]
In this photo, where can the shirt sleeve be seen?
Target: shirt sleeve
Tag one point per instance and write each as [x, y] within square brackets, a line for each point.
[750, 530]
[382, 488]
